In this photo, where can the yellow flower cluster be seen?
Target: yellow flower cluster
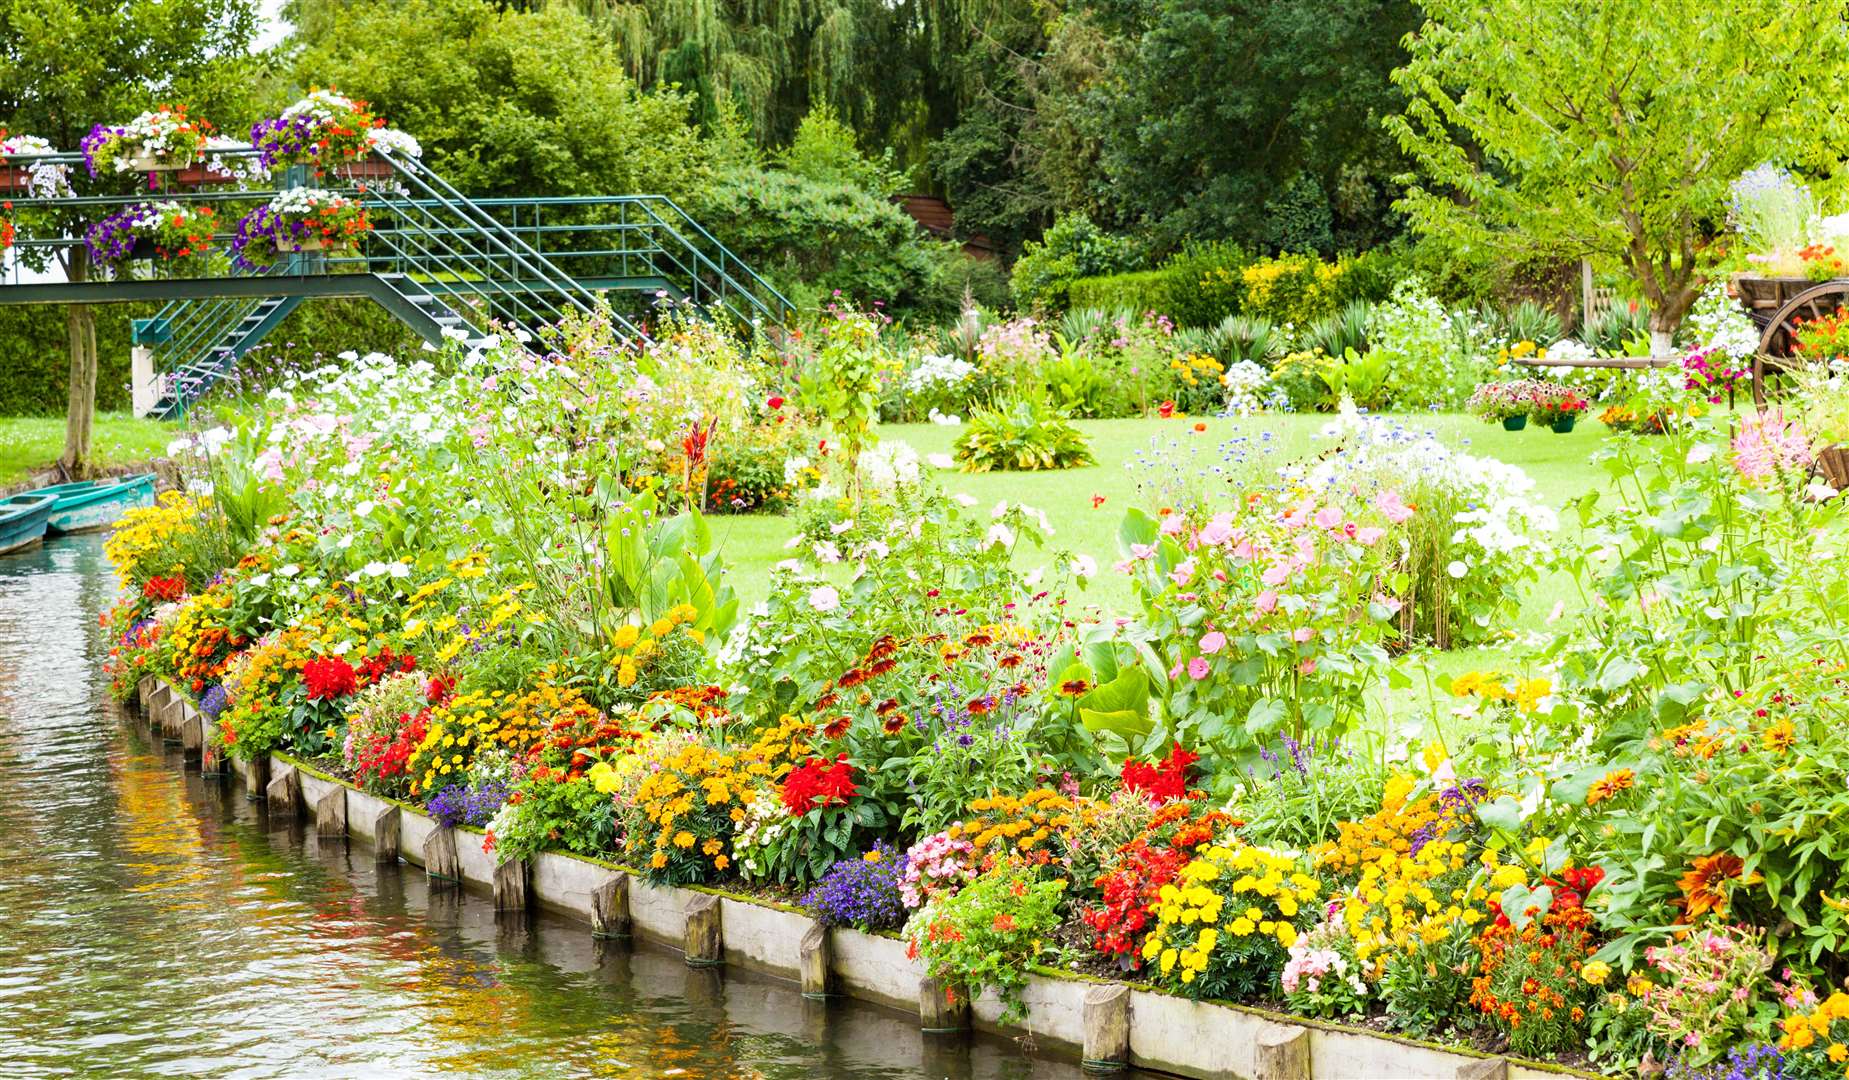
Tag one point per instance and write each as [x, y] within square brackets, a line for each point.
[1489, 687]
[635, 644]
[1381, 836]
[1804, 1030]
[144, 529]
[197, 643]
[252, 722]
[683, 796]
[1194, 367]
[1518, 351]
[477, 720]
[1226, 894]
[1015, 823]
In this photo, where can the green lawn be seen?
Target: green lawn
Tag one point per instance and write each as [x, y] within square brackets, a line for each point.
[1560, 465]
[33, 442]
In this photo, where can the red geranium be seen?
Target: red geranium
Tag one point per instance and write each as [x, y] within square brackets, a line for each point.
[164, 588]
[1130, 892]
[329, 677]
[374, 668]
[819, 782]
[1163, 780]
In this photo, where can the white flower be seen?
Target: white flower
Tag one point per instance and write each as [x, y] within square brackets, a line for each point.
[1457, 569]
[941, 461]
[1084, 566]
[964, 500]
[840, 527]
[824, 598]
[998, 534]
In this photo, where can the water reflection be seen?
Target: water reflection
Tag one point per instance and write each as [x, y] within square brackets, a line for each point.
[150, 926]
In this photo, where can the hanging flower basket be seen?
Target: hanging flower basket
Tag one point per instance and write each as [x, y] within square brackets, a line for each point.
[1515, 423]
[299, 220]
[163, 231]
[33, 179]
[327, 130]
[165, 140]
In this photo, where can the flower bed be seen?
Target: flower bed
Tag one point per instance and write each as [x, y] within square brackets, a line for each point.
[466, 586]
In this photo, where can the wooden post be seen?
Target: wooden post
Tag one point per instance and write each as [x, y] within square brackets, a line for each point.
[1486, 1069]
[510, 887]
[814, 961]
[610, 907]
[942, 1009]
[284, 795]
[256, 773]
[1107, 1028]
[387, 827]
[705, 938]
[331, 815]
[1282, 1052]
[440, 860]
[1585, 295]
[192, 738]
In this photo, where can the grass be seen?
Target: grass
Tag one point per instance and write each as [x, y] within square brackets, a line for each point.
[33, 442]
[1124, 477]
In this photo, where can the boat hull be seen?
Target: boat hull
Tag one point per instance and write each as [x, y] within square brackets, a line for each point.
[23, 521]
[95, 506]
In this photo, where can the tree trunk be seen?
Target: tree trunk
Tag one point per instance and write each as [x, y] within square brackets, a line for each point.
[1662, 342]
[80, 410]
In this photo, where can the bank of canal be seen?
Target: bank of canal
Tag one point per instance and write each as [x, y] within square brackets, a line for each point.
[151, 926]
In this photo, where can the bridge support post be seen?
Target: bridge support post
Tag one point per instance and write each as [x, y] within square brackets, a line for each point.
[144, 385]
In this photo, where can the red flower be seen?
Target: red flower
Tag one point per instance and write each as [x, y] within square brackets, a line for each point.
[439, 688]
[1166, 410]
[775, 402]
[329, 677]
[818, 783]
[164, 588]
[837, 727]
[1163, 780]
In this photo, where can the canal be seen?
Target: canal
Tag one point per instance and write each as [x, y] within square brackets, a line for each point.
[152, 925]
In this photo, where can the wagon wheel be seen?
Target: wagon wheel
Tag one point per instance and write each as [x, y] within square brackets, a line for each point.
[1778, 343]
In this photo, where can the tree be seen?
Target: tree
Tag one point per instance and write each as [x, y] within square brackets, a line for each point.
[1613, 129]
[70, 64]
[505, 103]
[1256, 121]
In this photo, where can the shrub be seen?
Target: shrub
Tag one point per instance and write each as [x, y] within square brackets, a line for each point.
[1293, 290]
[1139, 290]
[984, 935]
[1073, 248]
[1024, 436]
[1340, 331]
[1413, 336]
[1529, 321]
[1205, 285]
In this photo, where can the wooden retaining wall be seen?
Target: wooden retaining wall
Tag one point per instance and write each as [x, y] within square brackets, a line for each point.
[1108, 1025]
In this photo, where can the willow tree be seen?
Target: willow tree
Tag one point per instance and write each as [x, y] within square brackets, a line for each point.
[1614, 129]
[66, 65]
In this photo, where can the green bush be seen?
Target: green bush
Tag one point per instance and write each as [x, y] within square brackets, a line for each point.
[1204, 283]
[1138, 291]
[1073, 248]
[1024, 437]
[35, 361]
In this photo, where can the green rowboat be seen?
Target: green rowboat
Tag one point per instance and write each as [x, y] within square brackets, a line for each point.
[23, 519]
[96, 504]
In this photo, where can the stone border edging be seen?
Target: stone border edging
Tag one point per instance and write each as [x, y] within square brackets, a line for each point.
[1109, 1024]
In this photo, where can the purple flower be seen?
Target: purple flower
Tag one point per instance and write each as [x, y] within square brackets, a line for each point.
[459, 804]
[213, 703]
[862, 891]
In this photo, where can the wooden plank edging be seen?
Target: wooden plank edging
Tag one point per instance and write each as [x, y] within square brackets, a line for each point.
[1166, 1032]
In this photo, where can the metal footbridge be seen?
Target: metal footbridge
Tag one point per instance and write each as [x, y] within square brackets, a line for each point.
[445, 265]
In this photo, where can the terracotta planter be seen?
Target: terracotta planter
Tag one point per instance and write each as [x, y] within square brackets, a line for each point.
[1515, 423]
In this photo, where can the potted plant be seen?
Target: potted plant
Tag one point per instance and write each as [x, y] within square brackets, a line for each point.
[1504, 403]
[1556, 406]
[37, 179]
[164, 140]
[164, 231]
[329, 130]
[298, 220]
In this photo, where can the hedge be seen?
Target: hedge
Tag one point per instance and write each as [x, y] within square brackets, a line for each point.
[35, 362]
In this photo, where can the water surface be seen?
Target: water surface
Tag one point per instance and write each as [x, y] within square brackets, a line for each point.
[153, 925]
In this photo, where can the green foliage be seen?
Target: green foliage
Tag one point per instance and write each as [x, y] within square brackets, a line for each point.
[823, 149]
[1073, 248]
[1257, 123]
[1024, 436]
[985, 935]
[1529, 321]
[1138, 291]
[34, 370]
[1204, 283]
[1515, 155]
[506, 102]
[840, 382]
[1340, 331]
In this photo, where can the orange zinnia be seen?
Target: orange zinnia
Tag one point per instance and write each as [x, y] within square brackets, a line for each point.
[1610, 785]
